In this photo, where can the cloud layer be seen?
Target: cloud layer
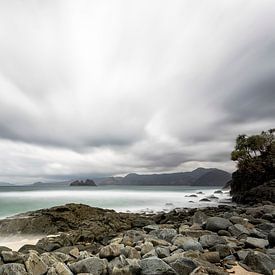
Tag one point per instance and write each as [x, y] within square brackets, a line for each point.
[91, 88]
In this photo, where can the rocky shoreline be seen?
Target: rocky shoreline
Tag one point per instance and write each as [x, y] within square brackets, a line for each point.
[86, 240]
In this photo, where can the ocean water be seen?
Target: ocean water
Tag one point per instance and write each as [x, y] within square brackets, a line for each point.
[18, 199]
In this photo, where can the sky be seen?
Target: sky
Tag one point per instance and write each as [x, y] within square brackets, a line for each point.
[100, 88]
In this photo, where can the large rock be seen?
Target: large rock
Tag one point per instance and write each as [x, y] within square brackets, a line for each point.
[92, 265]
[13, 269]
[199, 217]
[208, 241]
[155, 266]
[35, 265]
[217, 223]
[62, 269]
[260, 262]
[12, 257]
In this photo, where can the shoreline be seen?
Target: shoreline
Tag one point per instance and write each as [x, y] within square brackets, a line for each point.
[209, 240]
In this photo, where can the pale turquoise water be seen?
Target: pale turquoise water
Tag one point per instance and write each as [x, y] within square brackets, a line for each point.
[20, 199]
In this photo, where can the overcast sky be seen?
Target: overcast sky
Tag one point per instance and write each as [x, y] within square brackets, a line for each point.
[98, 88]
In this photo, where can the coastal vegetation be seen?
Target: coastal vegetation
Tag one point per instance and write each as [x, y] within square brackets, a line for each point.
[255, 157]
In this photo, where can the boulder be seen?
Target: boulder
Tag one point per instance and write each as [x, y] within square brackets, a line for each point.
[92, 265]
[260, 262]
[13, 269]
[223, 250]
[162, 251]
[35, 265]
[255, 242]
[211, 257]
[208, 241]
[217, 223]
[155, 266]
[150, 227]
[146, 247]
[238, 230]
[199, 217]
[27, 247]
[131, 253]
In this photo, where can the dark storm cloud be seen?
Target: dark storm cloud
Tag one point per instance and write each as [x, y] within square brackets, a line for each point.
[92, 89]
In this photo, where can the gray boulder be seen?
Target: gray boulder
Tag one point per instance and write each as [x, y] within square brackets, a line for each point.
[92, 265]
[256, 243]
[155, 266]
[208, 241]
[162, 251]
[199, 218]
[12, 257]
[13, 269]
[260, 262]
[111, 251]
[217, 223]
[238, 230]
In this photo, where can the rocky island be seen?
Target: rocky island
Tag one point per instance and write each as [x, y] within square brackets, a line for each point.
[87, 182]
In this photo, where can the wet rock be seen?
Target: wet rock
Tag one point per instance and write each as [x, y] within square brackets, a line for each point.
[260, 262]
[166, 234]
[208, 241]
[35, 265]
[216, 223]
[92, 265]
[111, 251]
[13, 269]
[184, 266]
[155, 266]
[4, 248]
[218, 192]
[256, 243]
[205, 200]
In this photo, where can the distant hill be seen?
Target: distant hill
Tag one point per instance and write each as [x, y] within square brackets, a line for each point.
[198, 177]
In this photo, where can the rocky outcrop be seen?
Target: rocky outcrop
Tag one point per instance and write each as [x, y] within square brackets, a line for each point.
[87, 182]
[258, 194]
[210, 240]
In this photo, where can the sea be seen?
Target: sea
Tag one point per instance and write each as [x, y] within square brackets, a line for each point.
[147, 199]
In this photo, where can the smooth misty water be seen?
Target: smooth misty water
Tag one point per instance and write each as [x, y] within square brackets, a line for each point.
[20, 199]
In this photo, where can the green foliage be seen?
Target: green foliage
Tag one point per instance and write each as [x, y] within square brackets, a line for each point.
[255, 153]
